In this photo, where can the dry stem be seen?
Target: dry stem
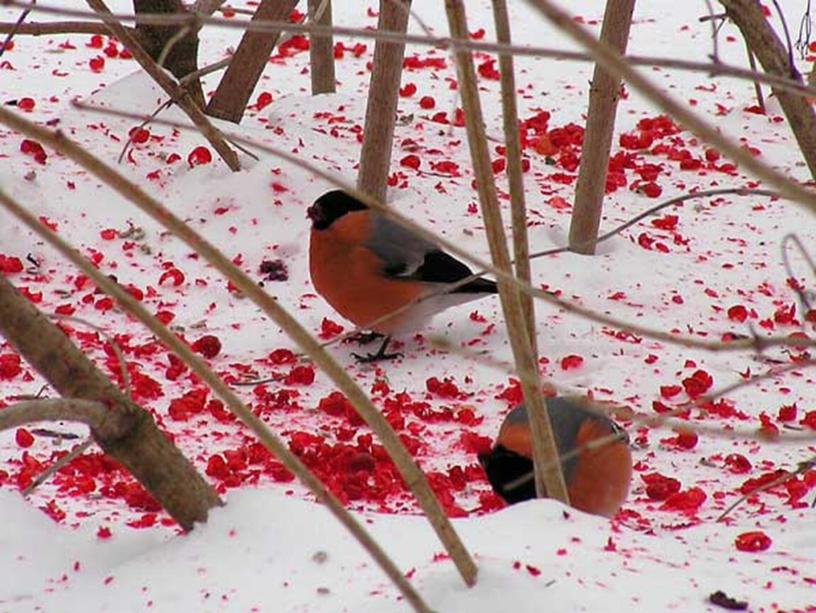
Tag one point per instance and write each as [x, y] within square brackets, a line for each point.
[549, 479]
[518, 207]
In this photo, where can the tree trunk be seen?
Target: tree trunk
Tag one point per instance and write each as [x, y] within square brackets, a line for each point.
[381, 108]
[603, 104]
[321, 50]
[129, 435]
[183, 57]
[239, 81]
[772, 54]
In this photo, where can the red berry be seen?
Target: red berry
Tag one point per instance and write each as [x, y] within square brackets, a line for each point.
[26, 104]
[10, 366]
[571, 361]
[208, 346]
[24, 438]
[427, 102]
[139, 135]
[199, 156]
[753, 541]
[410, 161]
[97, 64]
[651, 189]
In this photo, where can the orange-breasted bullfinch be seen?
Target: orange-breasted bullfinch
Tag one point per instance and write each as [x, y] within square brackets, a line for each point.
[597, 479]
[367, 266]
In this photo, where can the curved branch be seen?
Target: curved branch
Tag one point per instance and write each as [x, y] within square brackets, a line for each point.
[88, 412]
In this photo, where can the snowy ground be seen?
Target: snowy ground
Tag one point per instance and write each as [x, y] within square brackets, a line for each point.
[713, 269]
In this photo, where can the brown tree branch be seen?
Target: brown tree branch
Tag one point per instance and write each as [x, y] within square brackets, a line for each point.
[708, 68]
[233, 92]
[548, 476]
[515, 178]
[92, 413]
[381, 104]
[57, 27]
[199, 367]
[604, 92]
[776, 59]
[179, 94]
[125, 431]
[321, 49]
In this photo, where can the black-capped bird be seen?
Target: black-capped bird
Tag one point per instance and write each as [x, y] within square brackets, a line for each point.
[367, 267]
[597, 478]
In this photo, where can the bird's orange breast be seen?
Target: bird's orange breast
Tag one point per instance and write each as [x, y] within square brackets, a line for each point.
[601, 479]
[350, 276]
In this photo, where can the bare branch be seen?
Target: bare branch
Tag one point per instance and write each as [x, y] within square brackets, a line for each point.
[56, 27]
[549, 479]
[89, 412]
[69, 457]
[708, 68]
[518, 206]
[14, 29]
[804, 466]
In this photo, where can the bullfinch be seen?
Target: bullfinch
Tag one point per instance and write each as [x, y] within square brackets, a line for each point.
[367, 266]
[597, 479]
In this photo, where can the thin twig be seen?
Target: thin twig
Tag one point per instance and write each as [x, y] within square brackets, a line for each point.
[788, 43]
[171, 42]
[69, 457]
[200, 368]
[708, 68]
[757, 87]
[456, 249]
[804, 303]
[803, 466]
[15, 28]
[164, 105]
[55, 27]
[670, 419]
[715, 53]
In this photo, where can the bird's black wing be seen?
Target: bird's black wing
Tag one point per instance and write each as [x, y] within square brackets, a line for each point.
[406, 256]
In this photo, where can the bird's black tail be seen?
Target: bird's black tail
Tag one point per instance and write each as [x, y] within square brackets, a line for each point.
[478, 286]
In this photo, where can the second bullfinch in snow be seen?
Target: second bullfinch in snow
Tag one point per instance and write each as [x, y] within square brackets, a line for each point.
[597, 479]
[367, 266]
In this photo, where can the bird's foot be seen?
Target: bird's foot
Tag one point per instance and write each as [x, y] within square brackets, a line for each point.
[364, 338]
[380, 356]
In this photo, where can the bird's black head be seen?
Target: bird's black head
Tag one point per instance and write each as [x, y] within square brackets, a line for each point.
[510, 474]
[332, 206]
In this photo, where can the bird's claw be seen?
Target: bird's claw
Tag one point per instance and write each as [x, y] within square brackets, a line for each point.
[380, 356]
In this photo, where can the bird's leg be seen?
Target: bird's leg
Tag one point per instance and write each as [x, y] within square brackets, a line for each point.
[364, 338]
[379, 356]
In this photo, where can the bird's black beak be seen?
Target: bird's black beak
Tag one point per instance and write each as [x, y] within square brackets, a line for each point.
[313, 213]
